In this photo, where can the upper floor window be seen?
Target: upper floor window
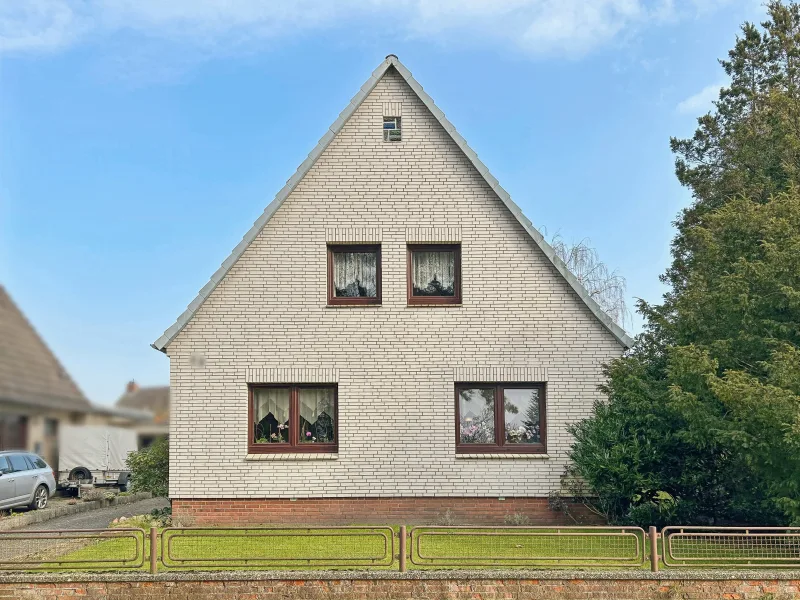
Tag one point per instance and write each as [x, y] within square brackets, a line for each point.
[354, 274]
[392, 129]
[500, 417]
[293, 418]
[434, 274]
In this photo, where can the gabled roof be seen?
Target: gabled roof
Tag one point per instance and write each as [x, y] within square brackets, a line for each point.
[152, 399]
[30, 374]
[391, 61]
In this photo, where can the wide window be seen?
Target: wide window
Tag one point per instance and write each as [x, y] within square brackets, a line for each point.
[434, 274]
[354, 274]
[500, 417]
[297, 418]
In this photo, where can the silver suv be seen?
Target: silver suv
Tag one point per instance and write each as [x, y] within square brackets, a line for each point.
[25, 480]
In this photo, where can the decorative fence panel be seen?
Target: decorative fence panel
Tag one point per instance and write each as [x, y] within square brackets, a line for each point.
[527, 546]
[93, 549]
[731, 546]
[287, 547]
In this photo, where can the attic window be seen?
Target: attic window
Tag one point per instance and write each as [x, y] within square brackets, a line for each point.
[392, 130]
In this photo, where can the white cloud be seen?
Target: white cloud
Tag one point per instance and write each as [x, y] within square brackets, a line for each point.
[701, 102]
[564, 27]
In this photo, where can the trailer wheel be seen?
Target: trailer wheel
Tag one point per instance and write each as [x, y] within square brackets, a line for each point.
[80, 473]
[122, 481]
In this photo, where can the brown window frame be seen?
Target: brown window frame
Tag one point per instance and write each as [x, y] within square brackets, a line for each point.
[428, 300]
[500, 445]
[333, 300]
[293, 446]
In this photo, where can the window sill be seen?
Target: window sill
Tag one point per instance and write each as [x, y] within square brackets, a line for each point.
[488, 456]
[435, 305]
[353, 305]
[293, 456]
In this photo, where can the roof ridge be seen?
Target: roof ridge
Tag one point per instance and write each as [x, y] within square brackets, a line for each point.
[391, 61]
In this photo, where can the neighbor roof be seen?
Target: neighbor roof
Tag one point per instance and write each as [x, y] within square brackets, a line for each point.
[30, 374]
[153, 399]
[391, 61]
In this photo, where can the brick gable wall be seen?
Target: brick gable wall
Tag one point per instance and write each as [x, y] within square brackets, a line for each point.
[395, 365]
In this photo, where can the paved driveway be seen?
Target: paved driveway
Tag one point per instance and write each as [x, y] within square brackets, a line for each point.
[100, 518]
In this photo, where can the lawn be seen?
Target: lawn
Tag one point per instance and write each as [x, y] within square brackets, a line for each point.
[349, 548]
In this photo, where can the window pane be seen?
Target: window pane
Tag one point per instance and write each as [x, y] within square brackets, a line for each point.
[523, 421]
[4, 467]
[271, 412]
[355, 274]
[433, 273]
[476, 414]
[18, 462]
[316, 415]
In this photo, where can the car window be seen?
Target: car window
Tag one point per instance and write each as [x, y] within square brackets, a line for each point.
[38, 463]
[18, 462]
[4, 468]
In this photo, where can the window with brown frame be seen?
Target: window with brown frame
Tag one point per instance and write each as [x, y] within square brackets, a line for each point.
[293, 418]
[434, 274]
[500, 417]
[354, 274]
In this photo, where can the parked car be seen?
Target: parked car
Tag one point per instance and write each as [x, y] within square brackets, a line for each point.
[25, 480]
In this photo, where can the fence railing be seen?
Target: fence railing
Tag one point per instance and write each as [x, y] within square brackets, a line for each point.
[291, 547]
[95, 549]
[528, 546]
[731, 546]
[426, 547]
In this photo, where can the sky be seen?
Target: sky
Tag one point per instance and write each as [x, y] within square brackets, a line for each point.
[140, 139]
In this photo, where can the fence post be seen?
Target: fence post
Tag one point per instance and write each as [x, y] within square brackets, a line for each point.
[402, 548]
[653, 535]
[153, 555]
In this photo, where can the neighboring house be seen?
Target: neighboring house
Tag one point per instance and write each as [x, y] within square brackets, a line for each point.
[391, 340]
[37, 394]
[154, 400]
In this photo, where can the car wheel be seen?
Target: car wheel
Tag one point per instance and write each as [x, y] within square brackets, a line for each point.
[40, 497]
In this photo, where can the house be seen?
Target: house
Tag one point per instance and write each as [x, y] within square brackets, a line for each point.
[37, 395]
[153, 399]
[392, 340]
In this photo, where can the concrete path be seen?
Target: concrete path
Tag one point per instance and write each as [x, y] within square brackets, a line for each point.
[100, 518]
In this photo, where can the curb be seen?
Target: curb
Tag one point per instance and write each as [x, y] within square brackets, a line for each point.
[40, 516]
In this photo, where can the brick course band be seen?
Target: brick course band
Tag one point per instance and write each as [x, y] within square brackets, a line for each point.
[425, 589]
[377, 511]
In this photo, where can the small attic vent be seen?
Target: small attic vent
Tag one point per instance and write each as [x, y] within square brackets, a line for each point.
[392, 129]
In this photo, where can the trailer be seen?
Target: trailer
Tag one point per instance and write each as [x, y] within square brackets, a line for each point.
[94, 454]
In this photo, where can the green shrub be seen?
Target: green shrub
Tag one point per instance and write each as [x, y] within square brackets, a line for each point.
[149, 469]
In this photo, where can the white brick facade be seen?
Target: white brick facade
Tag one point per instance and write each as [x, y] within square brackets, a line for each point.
[395, 365]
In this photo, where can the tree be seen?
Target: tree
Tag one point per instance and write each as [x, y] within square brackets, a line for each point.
[606, 287]
[702, 422]
[149, 468]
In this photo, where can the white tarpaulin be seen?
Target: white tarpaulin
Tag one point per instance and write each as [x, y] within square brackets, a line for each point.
[98, 448]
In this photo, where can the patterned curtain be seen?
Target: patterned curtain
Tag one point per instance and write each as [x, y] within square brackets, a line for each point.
[434, 273]
[316, 415]
[355, 274]
[271, 415]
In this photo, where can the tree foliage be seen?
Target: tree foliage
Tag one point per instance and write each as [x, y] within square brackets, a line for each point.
[149, 468]
[702, 422]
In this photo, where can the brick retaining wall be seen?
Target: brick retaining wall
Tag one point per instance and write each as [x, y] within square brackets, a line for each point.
[423, 589]
[348, 511]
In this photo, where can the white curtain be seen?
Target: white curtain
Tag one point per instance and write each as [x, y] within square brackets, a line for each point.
[434, 273]
[355, 274]
[316, 415]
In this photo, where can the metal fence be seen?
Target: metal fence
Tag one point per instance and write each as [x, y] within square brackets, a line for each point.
[731, 546]
[93, 549]
[423, 547]
[291, 547]
[527, 546]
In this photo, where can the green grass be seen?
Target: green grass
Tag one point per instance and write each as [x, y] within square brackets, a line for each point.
[226, 549]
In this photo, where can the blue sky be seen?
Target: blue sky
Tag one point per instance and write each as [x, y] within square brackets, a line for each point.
[139, 140]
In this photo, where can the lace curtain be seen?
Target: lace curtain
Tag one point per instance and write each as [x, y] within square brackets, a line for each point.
[355, 274]
[433, 273]
[271, 415]
[316, 415]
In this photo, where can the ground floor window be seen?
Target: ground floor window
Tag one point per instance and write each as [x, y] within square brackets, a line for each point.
[500, 417]
[293, 418]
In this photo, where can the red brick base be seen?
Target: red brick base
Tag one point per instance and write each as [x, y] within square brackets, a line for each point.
[377, 511]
